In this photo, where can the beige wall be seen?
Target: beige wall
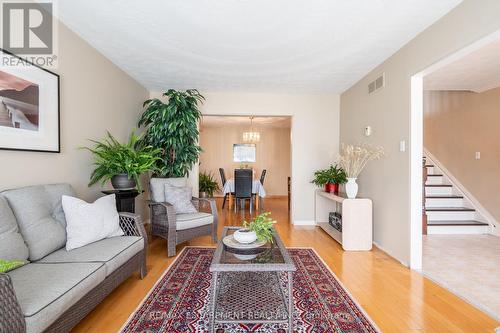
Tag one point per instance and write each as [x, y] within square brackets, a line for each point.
[95, 96]
[272, 154]
[456, 125]
[388, 112]
[315, 133]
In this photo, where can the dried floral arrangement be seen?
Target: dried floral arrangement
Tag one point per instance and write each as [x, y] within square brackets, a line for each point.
[353, 158]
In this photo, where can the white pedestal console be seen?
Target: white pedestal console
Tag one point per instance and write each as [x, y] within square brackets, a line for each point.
[357, 227]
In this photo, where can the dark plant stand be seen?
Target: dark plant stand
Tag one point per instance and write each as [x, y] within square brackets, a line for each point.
[125, 199]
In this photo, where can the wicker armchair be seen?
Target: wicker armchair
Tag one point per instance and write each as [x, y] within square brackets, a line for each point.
[12, 318]
[165, 224]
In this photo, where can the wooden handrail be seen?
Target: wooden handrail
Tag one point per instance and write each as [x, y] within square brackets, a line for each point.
[424, 212]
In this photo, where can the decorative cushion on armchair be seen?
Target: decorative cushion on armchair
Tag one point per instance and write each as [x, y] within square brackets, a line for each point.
[180, 198]
[157, 187]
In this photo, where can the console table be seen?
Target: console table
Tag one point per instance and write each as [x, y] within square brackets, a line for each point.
[357, 230]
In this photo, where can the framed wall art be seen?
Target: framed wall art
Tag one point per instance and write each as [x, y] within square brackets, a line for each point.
[29, 106]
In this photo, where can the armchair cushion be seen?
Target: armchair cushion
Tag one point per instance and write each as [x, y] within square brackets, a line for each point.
[157, 186]
[90, 222]
[40, 216]
[12, 246]
[193, 220]
[180, 198]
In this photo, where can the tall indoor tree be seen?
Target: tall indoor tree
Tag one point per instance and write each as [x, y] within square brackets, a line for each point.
[173, 127]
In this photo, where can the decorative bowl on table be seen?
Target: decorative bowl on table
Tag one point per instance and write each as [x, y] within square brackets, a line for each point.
[245, 236]
[232, 243]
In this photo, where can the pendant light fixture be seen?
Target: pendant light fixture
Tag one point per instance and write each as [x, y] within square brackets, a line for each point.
[251, 136]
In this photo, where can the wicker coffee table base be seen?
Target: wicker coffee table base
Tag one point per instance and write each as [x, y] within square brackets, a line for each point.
[251, 297]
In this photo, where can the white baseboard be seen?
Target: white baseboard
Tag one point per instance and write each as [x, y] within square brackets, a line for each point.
[304, 222]
[389, 254]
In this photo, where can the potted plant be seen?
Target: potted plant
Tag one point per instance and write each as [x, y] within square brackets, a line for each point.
[173, 128]
[122, 163]
[330, 178]
[208, 185]
[353, 160]
[261, 228]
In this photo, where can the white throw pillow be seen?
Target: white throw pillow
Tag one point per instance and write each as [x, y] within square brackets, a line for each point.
[89, 222]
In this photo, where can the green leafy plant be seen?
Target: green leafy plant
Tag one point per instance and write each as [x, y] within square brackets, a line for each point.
[334, 175]
[113, 157]
[173, 128]
[207, 183]
[263, 227]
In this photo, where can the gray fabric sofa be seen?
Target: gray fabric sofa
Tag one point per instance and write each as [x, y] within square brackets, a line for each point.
[58, 288]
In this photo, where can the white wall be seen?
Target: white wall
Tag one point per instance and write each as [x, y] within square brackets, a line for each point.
[96, 96]
[315, 134]
[387, 181]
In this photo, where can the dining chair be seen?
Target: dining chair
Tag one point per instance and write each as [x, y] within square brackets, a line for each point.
[243, 188]
[263, 176]
[224, 180]
[289, 184]
[262, 179]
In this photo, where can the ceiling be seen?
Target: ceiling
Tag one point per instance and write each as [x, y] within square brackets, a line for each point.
[478, 71]
[299, 46]
[236, 121]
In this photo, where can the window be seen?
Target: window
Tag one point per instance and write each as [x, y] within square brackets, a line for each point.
[244, 152]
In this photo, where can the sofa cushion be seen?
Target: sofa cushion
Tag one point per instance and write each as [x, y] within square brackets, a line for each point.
[40, 217]
[113, 252]
[193, 220]
[12, 246]
[46, 291]
[157, 186]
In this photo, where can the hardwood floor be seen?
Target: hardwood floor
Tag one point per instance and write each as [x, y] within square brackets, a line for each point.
[396, 298]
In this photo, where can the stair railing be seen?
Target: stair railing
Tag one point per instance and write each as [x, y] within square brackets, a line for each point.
[424, 212]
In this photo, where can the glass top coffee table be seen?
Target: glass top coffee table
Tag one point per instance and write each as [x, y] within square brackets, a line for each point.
[253, 285]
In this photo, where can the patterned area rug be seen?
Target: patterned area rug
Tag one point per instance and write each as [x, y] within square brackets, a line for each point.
[179, 301]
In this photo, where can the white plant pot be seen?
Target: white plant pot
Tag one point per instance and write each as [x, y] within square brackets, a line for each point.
[245, 236]
[351, 188]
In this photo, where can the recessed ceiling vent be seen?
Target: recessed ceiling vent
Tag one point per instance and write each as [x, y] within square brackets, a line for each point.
[377, 84]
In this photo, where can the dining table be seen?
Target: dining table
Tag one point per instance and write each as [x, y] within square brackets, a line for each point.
[257, 189]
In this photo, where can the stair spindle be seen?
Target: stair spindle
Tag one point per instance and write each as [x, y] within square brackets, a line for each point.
[424, 212]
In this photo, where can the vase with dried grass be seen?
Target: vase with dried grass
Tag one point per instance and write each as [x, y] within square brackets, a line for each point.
[353, 159]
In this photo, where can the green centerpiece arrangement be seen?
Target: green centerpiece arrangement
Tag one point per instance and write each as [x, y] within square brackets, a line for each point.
[330, 178]
[207, 184]
[260, 228]
[122, 163]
